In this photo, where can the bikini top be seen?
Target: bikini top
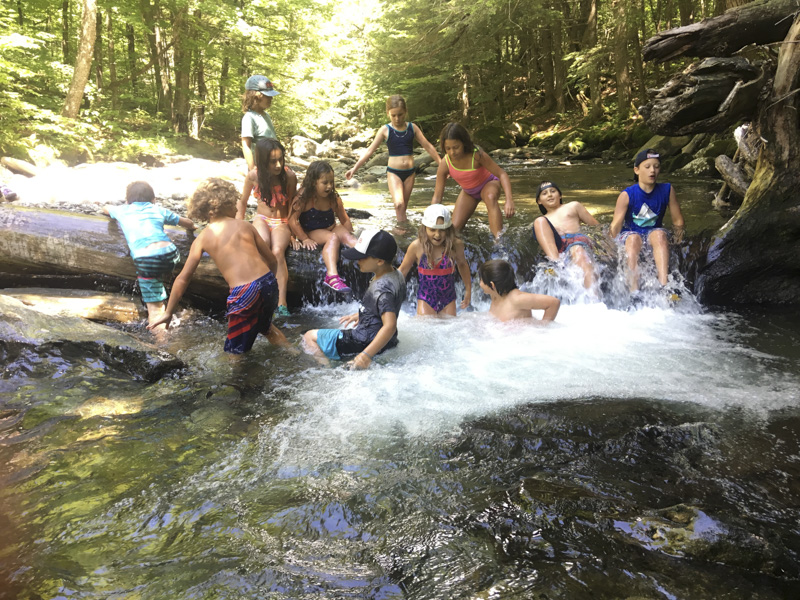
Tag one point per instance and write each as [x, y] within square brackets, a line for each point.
[468, 178]
[312, 219]
[278, 198]
[400, 143]
[443, 267]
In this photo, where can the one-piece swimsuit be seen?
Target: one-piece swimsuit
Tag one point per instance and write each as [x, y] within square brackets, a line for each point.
[436, 285]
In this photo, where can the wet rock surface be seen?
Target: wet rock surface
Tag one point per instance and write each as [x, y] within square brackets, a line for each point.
[28, 336]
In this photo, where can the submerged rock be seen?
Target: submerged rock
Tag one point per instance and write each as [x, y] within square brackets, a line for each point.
[23, 329]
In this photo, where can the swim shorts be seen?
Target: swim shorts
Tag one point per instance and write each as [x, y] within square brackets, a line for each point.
[250, 309]
[153, 270]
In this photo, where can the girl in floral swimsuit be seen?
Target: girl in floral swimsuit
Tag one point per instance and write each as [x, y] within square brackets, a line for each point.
[272, 214]
[437, 252]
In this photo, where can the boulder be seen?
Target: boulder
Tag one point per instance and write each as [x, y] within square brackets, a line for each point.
[666, 145]
[700, 167]
[303, 147]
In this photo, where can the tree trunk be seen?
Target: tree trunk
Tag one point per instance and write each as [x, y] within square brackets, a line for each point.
[20, 14]
[202, 94]
[754, 256]
[546, 65]
[66, 25]
[98, 51]
[112, 61]
[621, 59]
[223, 78]
[183, 65]
[559, 68]
[589, 45]
[83, 62]
[131, 55]
[465, 114]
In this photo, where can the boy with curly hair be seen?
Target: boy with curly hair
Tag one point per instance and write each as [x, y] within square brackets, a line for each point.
[243, 259]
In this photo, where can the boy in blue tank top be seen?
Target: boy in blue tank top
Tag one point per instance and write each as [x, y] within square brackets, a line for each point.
[639, 214]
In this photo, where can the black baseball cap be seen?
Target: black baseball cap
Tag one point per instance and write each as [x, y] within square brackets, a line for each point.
[645, 155]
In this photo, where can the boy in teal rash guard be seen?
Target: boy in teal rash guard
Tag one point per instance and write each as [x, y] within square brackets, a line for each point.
[154, 255]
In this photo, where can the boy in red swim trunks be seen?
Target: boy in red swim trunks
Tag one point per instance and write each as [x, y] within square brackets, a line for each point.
[243, 258]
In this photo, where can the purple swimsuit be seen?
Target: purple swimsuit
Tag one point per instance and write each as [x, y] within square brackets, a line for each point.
[436, 285]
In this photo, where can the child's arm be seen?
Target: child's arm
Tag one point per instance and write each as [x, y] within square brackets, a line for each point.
[247, 151]
[181, 283]
[548, 304]
[442, 174]
[493, 168]
[341, 213]
[463, 271]
[187, 224]
[106, 210]
[301, 238]
[364, 359]
[619, 214]
[545, 237]
[584, 215]
[676, 216]
[379, 137]
[429, 148]
[241, 205]
[410, 258]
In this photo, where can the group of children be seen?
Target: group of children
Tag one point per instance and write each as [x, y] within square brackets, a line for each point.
[251, 257]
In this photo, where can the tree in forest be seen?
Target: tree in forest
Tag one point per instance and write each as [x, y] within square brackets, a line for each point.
[83, 61]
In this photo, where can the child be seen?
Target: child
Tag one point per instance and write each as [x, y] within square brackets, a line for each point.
[478, 175]
[559, 232]
[437, 251]
[154, 255]
[497, 280]
[399, 136]
[313, 220]
[272, 215]
[256, 122]
[639, 214]
[244, 260]
[376, 320]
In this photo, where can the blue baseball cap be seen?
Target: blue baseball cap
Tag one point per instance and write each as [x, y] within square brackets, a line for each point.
[260, 83]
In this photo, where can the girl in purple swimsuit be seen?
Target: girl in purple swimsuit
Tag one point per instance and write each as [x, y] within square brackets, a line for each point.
[438, 252]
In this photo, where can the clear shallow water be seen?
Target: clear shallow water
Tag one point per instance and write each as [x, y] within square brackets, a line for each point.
[646, 453]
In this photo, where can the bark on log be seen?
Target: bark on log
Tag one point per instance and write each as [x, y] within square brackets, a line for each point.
[95, 306]
[733, 175]
[708, 96]
[759, 22]
[19, 166]
[47, 242]
[753, 259]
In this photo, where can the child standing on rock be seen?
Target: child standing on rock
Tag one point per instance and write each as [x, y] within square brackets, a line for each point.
[154, 255]
[256, 122]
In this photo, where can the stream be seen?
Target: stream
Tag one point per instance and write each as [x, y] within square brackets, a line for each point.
[647, 452]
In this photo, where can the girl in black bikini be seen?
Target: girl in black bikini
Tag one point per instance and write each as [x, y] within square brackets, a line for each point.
[312, 219]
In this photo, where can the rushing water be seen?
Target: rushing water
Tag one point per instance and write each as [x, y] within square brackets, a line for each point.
[651, 452]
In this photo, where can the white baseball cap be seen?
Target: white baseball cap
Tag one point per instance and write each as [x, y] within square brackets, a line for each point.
[435, 212]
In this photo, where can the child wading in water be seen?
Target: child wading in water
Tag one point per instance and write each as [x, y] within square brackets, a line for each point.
[313, 221]
[376, 320]
[498, 281]
[559, 232]
[478, 175]
[154, 255]
[256, 122]
[399, 136]
[639, 214]
[437, 251]
[244, 260]
[272, 215]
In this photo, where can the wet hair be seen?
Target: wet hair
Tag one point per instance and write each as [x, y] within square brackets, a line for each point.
[267, 181]
[250, 99]
[396, 101]
[139, 191]
[500, 273]
[212, 198]
[542, 187]
[427, 246]
[316, 169]
[454, 131]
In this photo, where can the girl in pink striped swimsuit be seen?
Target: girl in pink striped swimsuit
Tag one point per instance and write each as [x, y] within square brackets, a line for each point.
[478, 175]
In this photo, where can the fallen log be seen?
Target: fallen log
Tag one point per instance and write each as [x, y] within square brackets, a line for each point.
[19, 166]
[708, 96]
[759, 22]
[87, 304]
[41, 242]
[733, 175]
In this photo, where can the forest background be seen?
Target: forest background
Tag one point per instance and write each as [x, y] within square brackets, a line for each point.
[167, 76]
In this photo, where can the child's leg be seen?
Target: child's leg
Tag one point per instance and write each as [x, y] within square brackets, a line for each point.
[658, 240]
[633, 245]
[330, 248]
[262, 228]
[280, 241]
[276, 337]
[580, 257]
[465, 206]
[155, 310]
[400, 191]
[490, 194]
[310, 345]
[545, 237]
[345, 237]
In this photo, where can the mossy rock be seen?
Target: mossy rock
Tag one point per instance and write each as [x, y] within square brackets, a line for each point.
[676, 162]
[718, 147]
[493, 137]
